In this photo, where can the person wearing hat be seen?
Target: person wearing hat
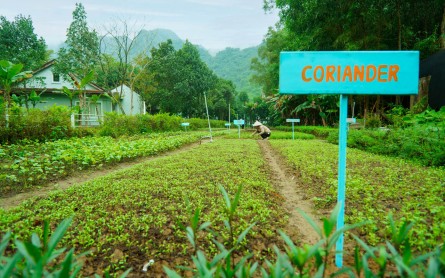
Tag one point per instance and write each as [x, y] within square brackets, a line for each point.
[261, 130]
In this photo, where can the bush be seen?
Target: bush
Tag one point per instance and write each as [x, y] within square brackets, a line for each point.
[36, 125]
[117, 125]
[423, 144]
[317, 131]
[373, 121]
[196, 123]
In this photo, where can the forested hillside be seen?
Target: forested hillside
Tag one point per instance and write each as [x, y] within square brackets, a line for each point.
[231, 63]
[234, 64]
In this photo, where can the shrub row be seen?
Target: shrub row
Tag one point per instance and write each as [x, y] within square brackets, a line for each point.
[425, 145]
[54, 124]
[35, 124]
[317, 131]
[117, 125]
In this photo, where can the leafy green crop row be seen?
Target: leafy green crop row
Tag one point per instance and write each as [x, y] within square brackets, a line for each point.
[36, 163]
[275, 134]
[375, 186]
[131, 216]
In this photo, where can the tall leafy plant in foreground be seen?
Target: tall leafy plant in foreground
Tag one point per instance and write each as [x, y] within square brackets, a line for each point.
[394, 259]
[39, 258]
[9, 75]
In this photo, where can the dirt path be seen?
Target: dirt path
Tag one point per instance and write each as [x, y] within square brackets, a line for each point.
[297, 228]
[81, 177]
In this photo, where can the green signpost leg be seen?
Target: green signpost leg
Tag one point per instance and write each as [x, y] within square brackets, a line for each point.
[342, 142]
[293, 136]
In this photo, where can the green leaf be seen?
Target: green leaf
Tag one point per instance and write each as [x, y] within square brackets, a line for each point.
[236, 200]
[66, 264]
[58, 234]
[311, 222]
[171, 273]
[8, 268]
[30, 252]
[191, 236]
[244, 233]
[5, 242]
[36, 240]
[204, 226]
[226, 198]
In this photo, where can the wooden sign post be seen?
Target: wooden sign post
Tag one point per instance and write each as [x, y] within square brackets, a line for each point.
[348, 73]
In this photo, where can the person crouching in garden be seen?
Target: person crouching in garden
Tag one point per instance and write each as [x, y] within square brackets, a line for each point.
[261, 130]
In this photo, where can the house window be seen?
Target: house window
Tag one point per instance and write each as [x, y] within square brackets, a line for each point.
[56, 77]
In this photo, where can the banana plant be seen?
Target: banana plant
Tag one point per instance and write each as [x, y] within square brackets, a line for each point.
[9, 75]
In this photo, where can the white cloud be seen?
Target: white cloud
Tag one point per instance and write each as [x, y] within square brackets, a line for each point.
[214, 24]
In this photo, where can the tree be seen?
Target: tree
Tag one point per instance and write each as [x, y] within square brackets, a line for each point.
[10, 74]
[220, 97]
[144, 82]
[20, 45]
[120, 40]
[351, 25]
[81, 54]
[162, 65]
[194, 78]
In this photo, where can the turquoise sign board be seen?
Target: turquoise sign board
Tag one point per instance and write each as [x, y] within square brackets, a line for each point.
[345, 73]
[238, 122]
[185, 124]
[349, 72]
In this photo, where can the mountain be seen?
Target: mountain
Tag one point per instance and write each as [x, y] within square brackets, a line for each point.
[234, 64]
[231, 63]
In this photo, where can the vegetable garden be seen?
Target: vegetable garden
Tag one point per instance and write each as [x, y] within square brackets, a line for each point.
[221, 191]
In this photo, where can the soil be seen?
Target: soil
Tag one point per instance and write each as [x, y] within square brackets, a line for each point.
[285, 180]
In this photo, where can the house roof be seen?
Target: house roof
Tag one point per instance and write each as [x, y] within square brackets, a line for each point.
[73, 77]
[125, 89]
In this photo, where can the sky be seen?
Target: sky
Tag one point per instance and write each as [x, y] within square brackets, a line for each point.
[213, 24]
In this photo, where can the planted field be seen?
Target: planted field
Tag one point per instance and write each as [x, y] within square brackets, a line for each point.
[129, 217]
[375, 186]
[275, 134]
[26, 165]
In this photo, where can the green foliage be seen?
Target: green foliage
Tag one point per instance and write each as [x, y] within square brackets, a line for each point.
[19, 43]
[51, 124]
[342, 28]
[317, 131]
[11, 74]
[394, 259]
[180, 80]
[81, 54]
[421, 143]
[32, 163]
[196, 123]
[373, 121]
[376, 185]
[116, 125]
[38, 258]
[234, 64]
[141, 210]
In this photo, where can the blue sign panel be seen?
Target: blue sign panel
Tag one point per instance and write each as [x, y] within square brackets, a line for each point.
[238, 122]
[349, 72]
